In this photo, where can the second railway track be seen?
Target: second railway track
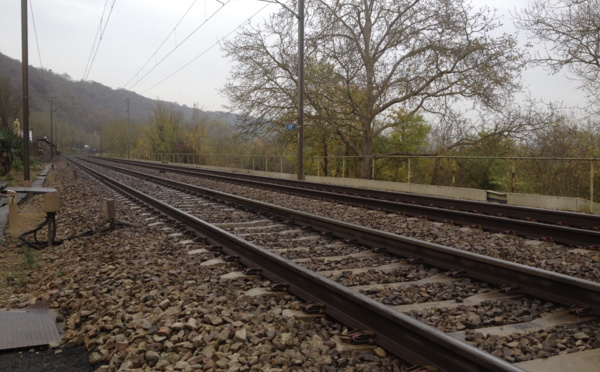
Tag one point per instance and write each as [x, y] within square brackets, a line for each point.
[378, 287]
[576, 229]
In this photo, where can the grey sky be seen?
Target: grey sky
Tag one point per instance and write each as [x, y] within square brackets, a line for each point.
[66, 30]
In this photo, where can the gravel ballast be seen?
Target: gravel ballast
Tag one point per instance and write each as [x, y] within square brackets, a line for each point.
[135, 300]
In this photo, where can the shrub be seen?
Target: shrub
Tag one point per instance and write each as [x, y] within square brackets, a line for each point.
[17, 164]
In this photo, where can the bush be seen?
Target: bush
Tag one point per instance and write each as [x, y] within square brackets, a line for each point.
[17, 164]
[30, 258]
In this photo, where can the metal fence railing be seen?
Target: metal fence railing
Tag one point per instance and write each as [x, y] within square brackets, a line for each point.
[573, 177]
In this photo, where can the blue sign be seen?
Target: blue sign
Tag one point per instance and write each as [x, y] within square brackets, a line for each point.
[290, 126]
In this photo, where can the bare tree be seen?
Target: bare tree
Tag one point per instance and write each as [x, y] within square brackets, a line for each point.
[371, 56]
[570, 32]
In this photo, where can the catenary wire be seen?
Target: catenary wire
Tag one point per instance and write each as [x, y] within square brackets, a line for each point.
[161, 44]
[37, 43]
[95, 39]
[177, 46]
[207, 49]
[89, 69]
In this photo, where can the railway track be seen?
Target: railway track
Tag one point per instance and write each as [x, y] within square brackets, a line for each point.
[576, 229]
[370, 279]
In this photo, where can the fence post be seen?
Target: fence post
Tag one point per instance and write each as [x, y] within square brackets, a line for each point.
[373, 169]
[408, 170]
[318, 167]
[344, 167]
[253, 163]
[453, 171]
[512, 185]
[591, 186]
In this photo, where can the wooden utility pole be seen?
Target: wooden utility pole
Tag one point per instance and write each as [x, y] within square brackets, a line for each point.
[25, 90]
[300, 155]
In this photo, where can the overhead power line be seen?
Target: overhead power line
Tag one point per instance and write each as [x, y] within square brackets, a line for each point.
[177, 46]
[37, 43]
[153, 55]
[98, 38]
[119, 104]
[207, 49]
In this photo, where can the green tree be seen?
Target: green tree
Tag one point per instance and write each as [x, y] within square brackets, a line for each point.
[407, 137]
[116, 139]
[10, 105]
[479, 171]
[10, 146]
[561, 138]
[420, 55]
[195, 137]
[164, 130]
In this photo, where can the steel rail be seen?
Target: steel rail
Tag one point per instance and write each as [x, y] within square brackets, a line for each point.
[398, 333]
[549, 285]
[565, 227]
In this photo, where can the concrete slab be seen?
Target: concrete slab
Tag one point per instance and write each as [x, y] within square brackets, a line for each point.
[235, 275]
[581, 251]
[451, 304]
[533, 243]
[546, 321]
[197, 251]
[588, 360]
[343, 347]
[32, 190]
[389, 267]
[255, 292]
[286, 250]
[213, 262]
[365, 254]
[306, 238]
[432, 279]
[261, 231]
[37, 183]
[300, 315]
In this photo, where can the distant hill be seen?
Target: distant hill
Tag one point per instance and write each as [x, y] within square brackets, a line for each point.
[84, 106]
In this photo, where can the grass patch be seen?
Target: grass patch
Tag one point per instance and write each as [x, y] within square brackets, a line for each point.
[30, 258]
[15, 280]
[9, 278]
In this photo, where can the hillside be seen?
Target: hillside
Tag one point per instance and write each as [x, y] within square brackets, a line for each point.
[82, 107]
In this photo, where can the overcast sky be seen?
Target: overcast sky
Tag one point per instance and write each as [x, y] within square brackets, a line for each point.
[66, 30]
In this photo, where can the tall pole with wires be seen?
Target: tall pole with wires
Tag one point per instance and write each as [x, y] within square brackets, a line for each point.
[300, 16]
[51, 129]
[128, 138]
[300, 155]
[25, 90]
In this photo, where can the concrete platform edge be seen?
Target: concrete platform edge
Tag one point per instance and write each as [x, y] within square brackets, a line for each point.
[38, 182]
